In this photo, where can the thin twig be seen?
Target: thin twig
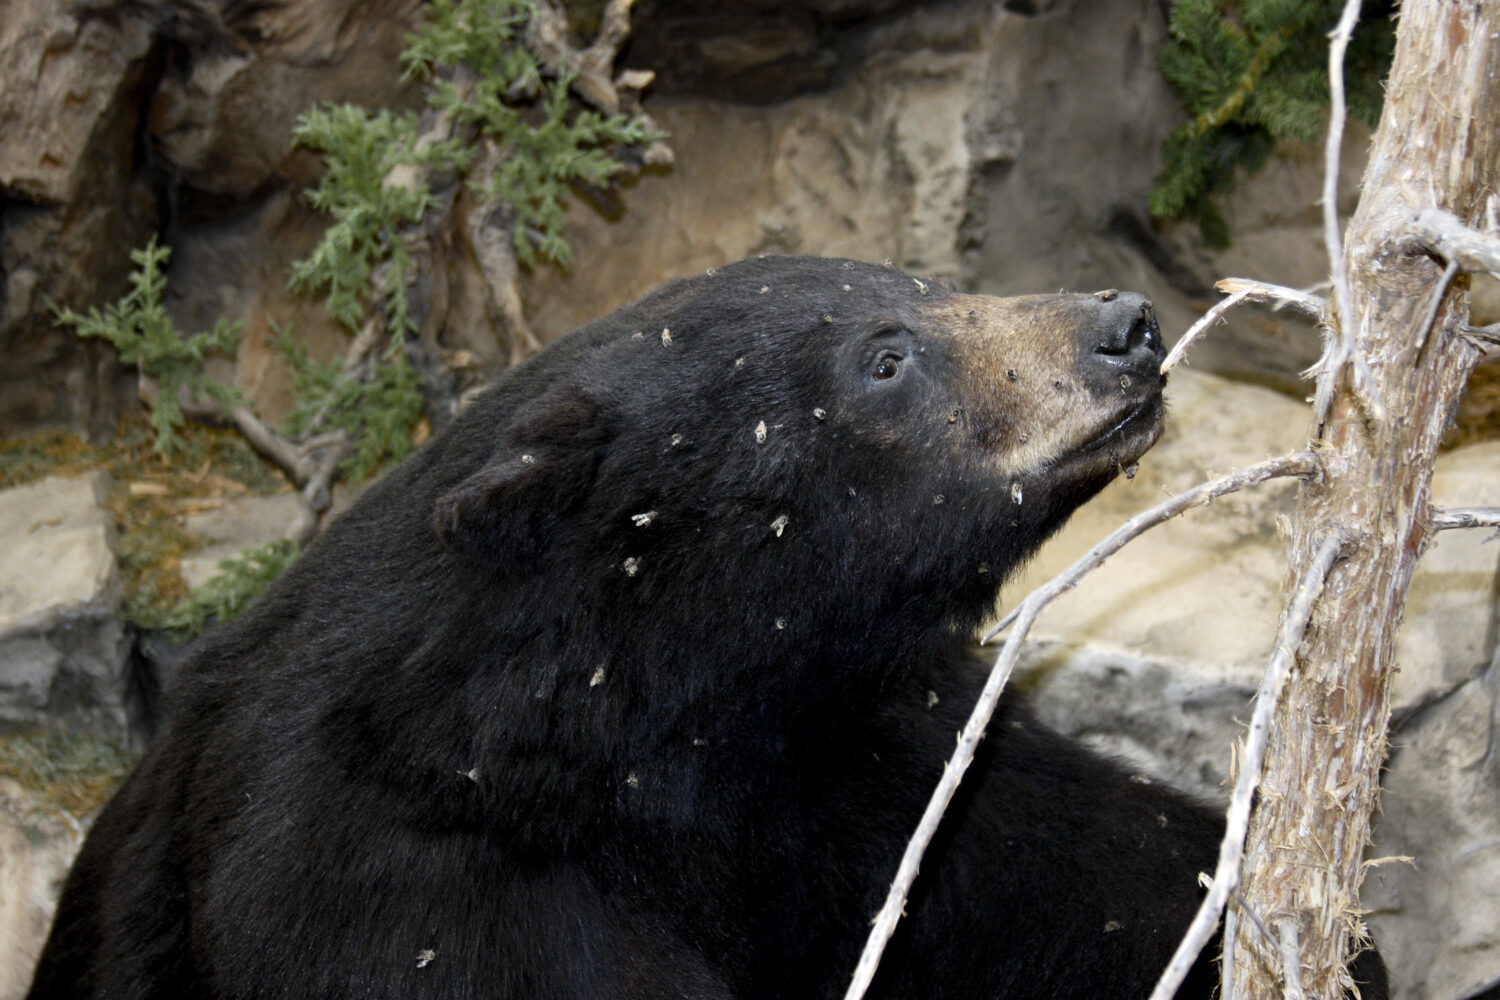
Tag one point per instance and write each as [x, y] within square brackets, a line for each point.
[1298, 463]
[1464, 517]
[1486, 338]
[1295, 464]
[1445, 234]
[1310, 305]
[1333, 144]
[1226, 878]
[1338, 351]
[953, 772]
[1237, 904]
[1232, 930]
[1288, 938]
[1432, 308]
[1179, 351]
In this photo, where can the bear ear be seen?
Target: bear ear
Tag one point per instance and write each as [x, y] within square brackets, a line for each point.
[507, 513]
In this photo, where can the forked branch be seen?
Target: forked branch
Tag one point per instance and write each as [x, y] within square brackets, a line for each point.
[1444, 234]
[1314, 307]
[1226, 878]
[1244, 290]
[1296, 464]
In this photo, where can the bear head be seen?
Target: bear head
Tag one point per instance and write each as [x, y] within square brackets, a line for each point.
[811, 435]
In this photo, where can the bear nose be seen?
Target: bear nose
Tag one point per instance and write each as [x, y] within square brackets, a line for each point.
[1125, 333]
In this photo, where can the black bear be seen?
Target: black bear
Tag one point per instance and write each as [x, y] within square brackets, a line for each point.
[634, 682]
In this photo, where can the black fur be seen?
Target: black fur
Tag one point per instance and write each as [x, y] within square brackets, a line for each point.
[564, 709]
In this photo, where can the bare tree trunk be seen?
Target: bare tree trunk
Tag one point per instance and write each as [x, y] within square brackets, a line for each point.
[1438, 146]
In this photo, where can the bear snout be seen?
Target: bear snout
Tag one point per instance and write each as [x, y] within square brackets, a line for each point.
[1124, 335]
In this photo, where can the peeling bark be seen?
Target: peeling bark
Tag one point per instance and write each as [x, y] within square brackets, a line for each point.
[1437, 147]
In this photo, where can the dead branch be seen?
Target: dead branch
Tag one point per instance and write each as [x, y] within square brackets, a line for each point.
[1245, 290]
[1300, 464]
[1333, 143]
[1314, 307]
[1464, 517]
[1021, 619]
[1291, 957]
[1226, 878]
[1179, 351]
[547, 36]
[1435, 146]
[279, 451]
[1443, 233]
[1338, 350]
[1485, 338]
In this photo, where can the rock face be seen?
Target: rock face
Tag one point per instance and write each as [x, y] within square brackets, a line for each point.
[69, 197]
[966, 140]
[961, 138]
[63, 649]
[242, 523]
[36, 848]
[139, 118]
[1436, 913]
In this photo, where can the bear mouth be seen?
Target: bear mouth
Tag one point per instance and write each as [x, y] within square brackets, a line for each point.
[1124, 439]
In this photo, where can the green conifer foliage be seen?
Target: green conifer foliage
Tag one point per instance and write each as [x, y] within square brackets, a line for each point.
[549, 142]
[484, 77]
[140, 329]
[360, 148]
[378, 410]
[1254, 73]
[240, 580]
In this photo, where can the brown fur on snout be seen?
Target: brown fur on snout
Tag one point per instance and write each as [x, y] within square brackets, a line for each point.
[1033, 392]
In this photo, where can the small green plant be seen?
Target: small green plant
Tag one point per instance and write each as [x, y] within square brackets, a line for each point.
[488, 91]
[375, 189]
[550, 143]
[140, 329]
[1254, 73]
[240, 580]
[545, 140]
[360, 149]
[377, 412]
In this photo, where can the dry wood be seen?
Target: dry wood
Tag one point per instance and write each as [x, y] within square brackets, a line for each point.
[1465, 517]
[1338, 349]
[1310, 305]
[1442, 233]
[1226, 877]
[1020, 621]
[1437, 147]
[1179, 350]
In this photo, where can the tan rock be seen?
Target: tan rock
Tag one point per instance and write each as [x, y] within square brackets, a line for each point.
[62, 643]
[36, 848]
[77, 65]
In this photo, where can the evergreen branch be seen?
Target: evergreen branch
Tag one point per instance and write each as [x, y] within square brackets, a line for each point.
[1230, 107]
[240, 580]
[1251, 73]
[170, 363]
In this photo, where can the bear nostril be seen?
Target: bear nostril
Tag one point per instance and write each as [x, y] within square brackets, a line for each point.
[1127, 326]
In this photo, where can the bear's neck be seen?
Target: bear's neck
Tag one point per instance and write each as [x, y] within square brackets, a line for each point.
[609, 713]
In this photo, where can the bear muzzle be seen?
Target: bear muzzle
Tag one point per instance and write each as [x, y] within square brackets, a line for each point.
[1060, 382]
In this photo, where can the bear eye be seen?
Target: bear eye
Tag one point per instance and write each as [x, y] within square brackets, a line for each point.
[887, 367]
